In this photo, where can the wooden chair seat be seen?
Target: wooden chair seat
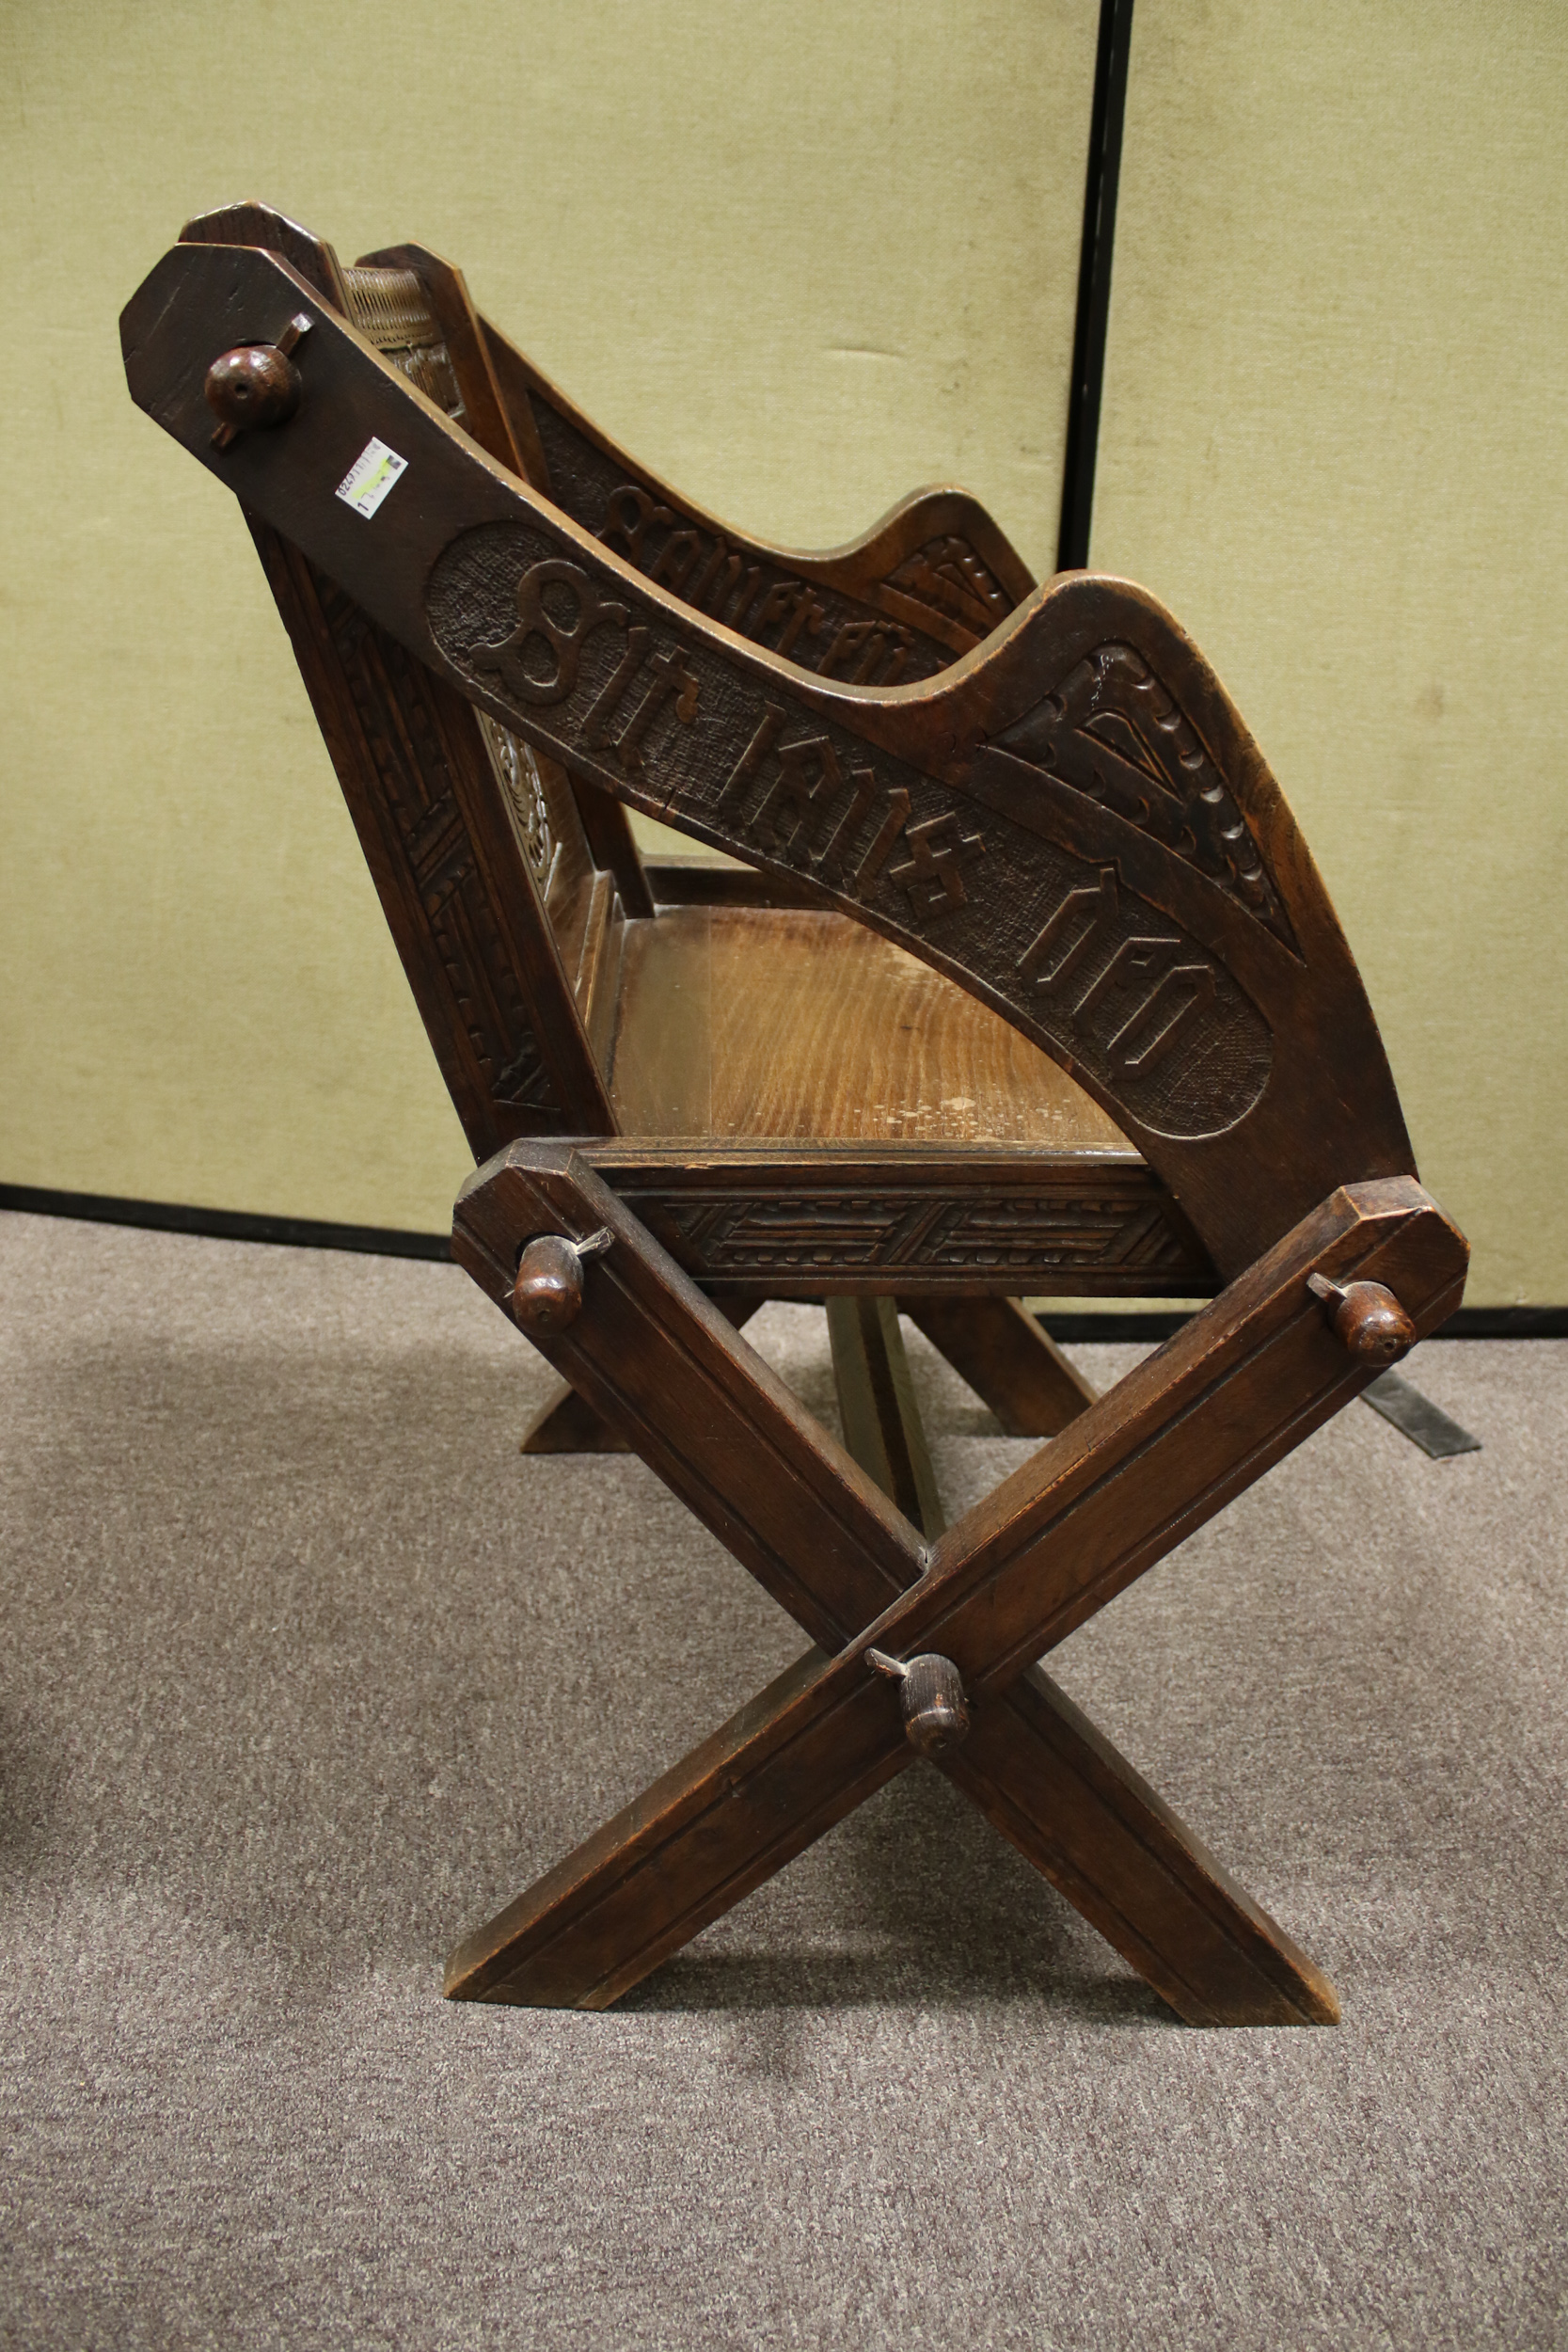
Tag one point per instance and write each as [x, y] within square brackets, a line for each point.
[744, 1023]
[1030, 984]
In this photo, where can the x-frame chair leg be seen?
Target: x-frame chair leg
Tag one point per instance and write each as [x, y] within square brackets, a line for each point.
[1189, 1429]
[569, 1424]
[1077, 1843]
[876, 1404]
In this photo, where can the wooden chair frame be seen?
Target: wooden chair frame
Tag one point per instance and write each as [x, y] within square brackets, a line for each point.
[1071, 824]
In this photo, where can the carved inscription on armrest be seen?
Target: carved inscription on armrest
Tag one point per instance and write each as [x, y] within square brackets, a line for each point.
[813, 624]
[1074, 955]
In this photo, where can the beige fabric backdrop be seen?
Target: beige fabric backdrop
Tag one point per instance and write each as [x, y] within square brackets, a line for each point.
[801, 260]
[1335, 440]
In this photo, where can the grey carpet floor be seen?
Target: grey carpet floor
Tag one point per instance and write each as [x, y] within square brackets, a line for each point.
[305, 1671]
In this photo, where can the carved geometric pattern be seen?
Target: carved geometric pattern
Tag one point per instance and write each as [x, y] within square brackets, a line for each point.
[920, 1232]
[947, 575]
[392, 696]
[525, 1083]
[1112, 730]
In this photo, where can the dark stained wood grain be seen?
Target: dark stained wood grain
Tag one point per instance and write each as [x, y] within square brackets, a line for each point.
[1025, 982]
[750, 1022]
[569, 1424]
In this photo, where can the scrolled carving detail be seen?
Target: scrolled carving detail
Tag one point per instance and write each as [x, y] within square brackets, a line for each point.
[560, 627]
[1113, 730]
[947, 575]
[519, 771]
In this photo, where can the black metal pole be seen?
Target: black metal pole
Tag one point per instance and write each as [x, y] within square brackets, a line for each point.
[1094, 282]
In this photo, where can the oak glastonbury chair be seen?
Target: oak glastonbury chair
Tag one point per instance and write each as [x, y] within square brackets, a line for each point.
[1037, 990]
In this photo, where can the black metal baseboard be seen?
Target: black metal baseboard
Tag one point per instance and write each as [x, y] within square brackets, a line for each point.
[168, 1216]
[385, 1241]
[1466, 1323]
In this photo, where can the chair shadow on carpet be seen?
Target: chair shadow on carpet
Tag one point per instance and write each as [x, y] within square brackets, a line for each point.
[324, 1681]
[32, 1772]
[914, 1901]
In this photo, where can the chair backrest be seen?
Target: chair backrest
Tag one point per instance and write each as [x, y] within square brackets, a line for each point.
[1070, 821]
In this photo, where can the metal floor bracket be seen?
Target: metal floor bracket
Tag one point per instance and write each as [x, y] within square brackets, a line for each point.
[1417, 1418]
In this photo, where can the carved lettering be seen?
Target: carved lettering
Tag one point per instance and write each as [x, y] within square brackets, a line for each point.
[807, 617]
[601, 711]
[1075, 933]
[1136, 962]
[931, 877]
[675, 557]
[561, 628]
[628, 515]
[818, 629]
[1090, 966]
[848, 641]
[1185, 1010]
[757, 751]
[801, 796]
[831, 859]
[671, 678]
[559, 608]
[882, 849]
[1095, 904]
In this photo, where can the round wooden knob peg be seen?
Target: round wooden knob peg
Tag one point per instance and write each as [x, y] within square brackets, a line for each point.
[547, 1296]
[255, 386]
[1367, 1319]
[931, 1697]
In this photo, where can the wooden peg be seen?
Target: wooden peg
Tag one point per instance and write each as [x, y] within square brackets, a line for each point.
[931, 1695]
[255, 384]
[547, 1296]
[1365, 1318]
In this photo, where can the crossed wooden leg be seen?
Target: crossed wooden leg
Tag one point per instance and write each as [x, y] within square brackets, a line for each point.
[995, 1344]
[569, 1424]
[1238, 1387]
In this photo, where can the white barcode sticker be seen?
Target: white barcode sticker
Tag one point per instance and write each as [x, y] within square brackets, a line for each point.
[371, 476]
